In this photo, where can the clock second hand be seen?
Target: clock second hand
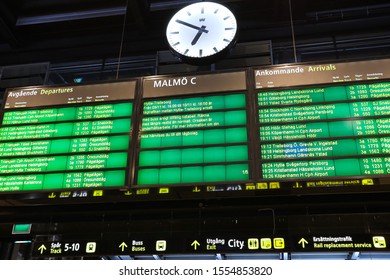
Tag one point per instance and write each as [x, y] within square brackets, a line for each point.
[197, 36]
[201, 29]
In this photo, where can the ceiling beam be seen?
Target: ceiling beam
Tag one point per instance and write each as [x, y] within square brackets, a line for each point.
[68, 16]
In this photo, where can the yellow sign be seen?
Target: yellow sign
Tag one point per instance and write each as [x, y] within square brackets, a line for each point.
[163, 190]
[52, 195]
[253, 243]
[161, 245]
[262, 186]
[379, 242]
[97, 193]
[266, 243]
[250, 187]
[274, 185]
[367, 182]
[90, 247]
[196, 189]
[279, 243]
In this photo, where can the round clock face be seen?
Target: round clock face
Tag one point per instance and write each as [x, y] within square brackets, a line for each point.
[202, 32]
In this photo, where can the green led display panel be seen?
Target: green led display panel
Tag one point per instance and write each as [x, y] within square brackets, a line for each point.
[65, 147]
[34, 182]
[330, 167]
[320, 132]
[194, 140]
[68, 129]
[68, 114]
[324, 112]
[195, 104]
[344, 128]
[326, 148]
[59, 163]
[324, 94]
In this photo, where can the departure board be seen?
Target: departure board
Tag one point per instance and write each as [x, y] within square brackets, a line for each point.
[271, 128]
[198, 138]
[326, 131]
[66, 137]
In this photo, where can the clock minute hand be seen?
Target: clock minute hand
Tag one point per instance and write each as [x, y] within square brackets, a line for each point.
[197, 36]
[192, 26]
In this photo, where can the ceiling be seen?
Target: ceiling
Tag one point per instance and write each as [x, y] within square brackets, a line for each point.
[74, 30]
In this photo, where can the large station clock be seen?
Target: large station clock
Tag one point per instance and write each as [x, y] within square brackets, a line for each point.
[202, 32]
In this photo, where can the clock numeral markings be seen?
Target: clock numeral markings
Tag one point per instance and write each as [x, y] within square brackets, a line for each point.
[202, 10]
[226, 40]
[216, 11]
[215, 49]
[200, 52]
[187, 50]
[188, 13]
[175, 44]
[175, 32]
[229, 28]
[226, 18]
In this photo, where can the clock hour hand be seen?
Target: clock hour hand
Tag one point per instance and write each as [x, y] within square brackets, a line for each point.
[202, 29]
[197, 36]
